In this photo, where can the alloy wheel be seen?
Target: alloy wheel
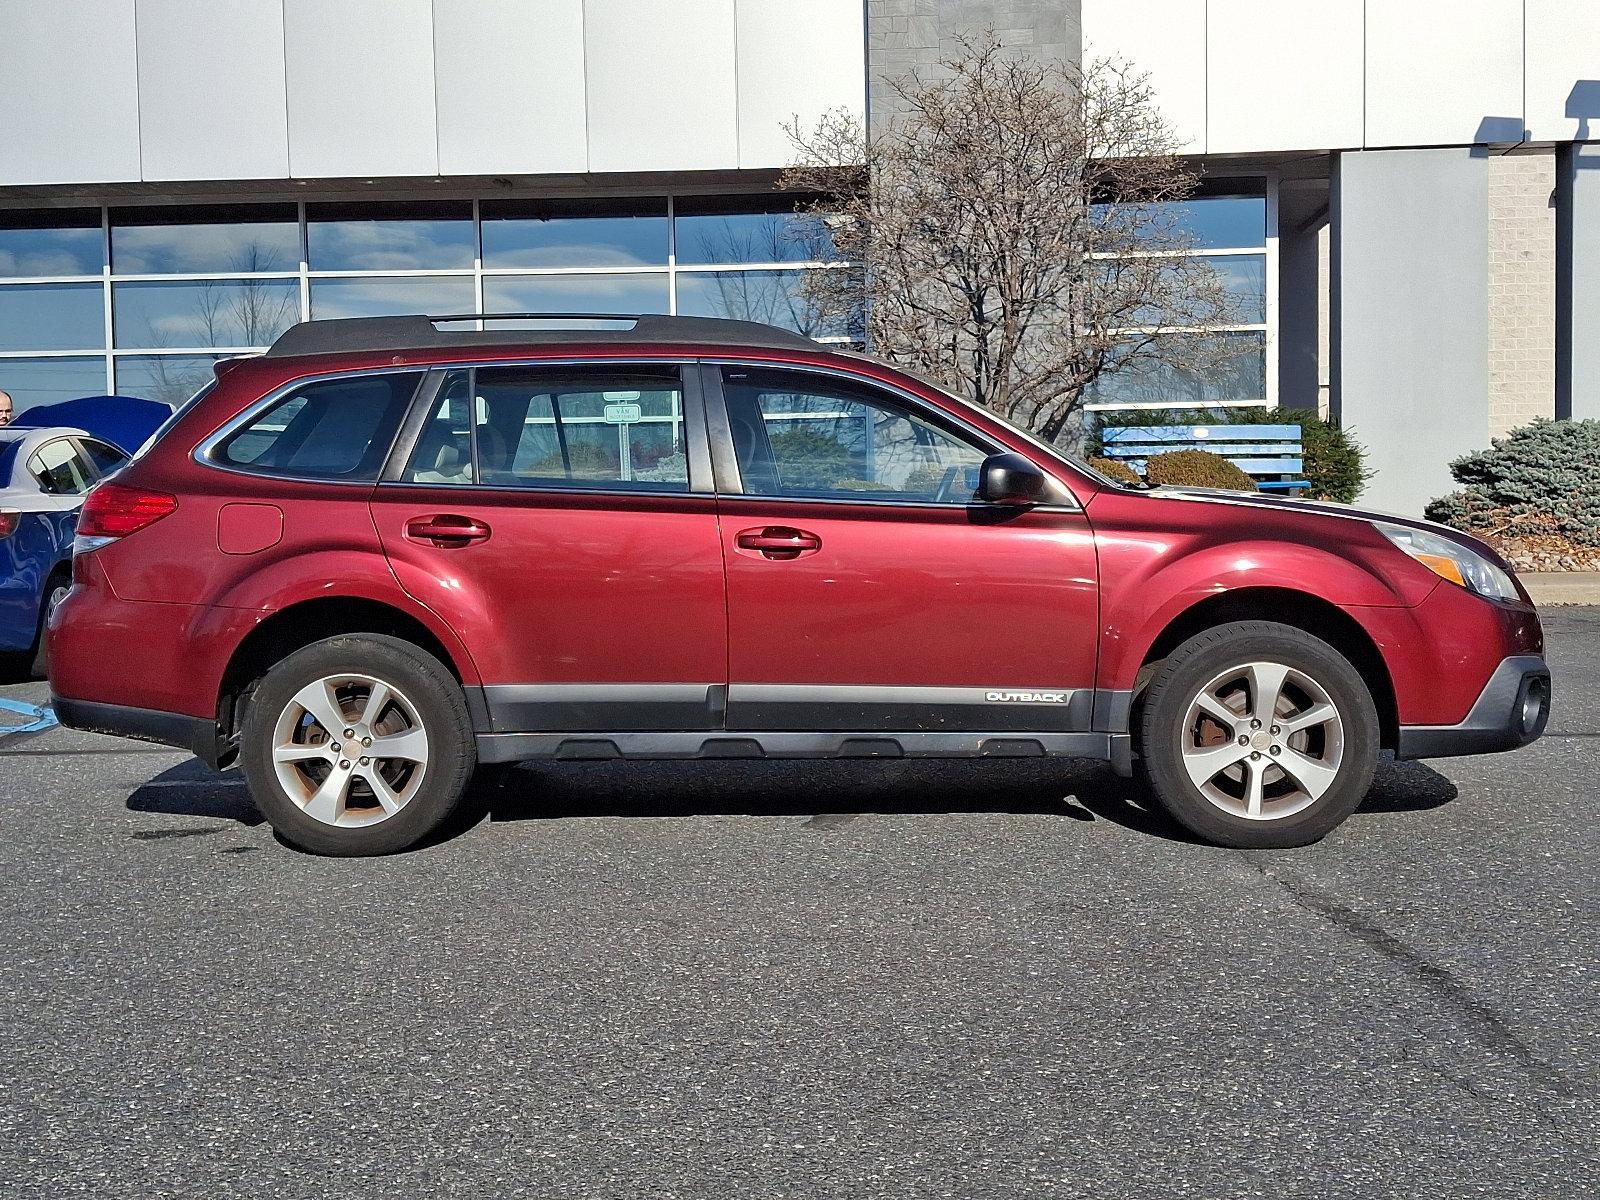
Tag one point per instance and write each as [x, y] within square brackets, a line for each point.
[350, 750]
[1262, 741]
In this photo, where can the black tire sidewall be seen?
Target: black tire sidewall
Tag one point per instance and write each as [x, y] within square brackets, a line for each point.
[1201, 659]
[39, 658]
[440, 706]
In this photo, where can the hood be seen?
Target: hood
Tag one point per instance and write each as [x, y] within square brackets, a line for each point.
[1326, 508]
[1291, 503]
[124, 421]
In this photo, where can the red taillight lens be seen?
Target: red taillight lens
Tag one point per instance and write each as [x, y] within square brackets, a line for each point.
[112, 511]
[10, 518]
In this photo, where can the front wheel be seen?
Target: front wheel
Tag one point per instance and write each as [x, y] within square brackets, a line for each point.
[1259, 735]
[357, 745]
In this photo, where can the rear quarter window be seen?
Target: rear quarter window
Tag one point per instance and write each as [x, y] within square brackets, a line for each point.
[339, 429]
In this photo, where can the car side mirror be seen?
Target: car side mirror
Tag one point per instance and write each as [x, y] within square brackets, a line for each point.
[1010, 479]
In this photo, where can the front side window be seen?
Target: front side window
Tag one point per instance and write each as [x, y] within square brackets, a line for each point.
[338, 429]
[60, 468]
[807, 437]
[603, 428]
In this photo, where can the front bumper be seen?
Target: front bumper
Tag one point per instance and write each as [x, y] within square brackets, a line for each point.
[1511, 711]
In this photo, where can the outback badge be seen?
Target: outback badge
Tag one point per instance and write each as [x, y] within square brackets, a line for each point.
[1027, 697]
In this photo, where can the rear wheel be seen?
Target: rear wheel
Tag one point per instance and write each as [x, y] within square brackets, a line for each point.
[357, 745]
[55, 591]
[1259, 735]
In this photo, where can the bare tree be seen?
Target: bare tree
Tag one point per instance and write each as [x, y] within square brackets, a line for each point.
[250, 311]
[1011, 232]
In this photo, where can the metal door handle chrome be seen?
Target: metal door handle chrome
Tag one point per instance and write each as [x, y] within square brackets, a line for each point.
[447, 530]
[778, 541]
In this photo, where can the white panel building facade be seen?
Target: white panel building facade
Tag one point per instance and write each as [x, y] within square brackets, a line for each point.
[1407, 195]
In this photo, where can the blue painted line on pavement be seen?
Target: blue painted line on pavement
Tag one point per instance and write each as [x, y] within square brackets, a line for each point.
[43, 717]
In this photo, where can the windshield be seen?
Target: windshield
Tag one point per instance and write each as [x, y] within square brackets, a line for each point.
[1033, 439]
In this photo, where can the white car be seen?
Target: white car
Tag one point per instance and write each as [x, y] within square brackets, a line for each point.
[44, 474]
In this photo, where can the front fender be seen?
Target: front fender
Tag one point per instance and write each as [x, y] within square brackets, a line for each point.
[1151, 573]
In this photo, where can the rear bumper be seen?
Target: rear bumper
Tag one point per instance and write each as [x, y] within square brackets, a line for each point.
[1511, 711]
[194, 734]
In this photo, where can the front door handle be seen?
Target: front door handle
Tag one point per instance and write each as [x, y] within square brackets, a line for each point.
[448, 531]
[778, 541]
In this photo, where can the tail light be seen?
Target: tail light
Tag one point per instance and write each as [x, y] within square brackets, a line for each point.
[10, 518]
[112, 511]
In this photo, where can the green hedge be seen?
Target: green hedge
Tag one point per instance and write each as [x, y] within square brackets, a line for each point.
[1538, 480]
[1334, 461]
[1196, 468]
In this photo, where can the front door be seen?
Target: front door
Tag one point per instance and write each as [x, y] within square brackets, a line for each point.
[561, 519]
[867, 590]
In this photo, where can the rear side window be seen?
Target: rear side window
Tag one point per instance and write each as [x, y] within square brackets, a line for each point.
[60, 468]
[338, 429]
[596, 428]
[106, 458]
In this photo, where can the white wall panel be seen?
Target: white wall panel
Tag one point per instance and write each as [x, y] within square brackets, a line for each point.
[360, 79]
[790, 68]
[69, 110]
[1437, 70]
[1167, 38]
[1283, 74]
[662, 94]
[211, 91]
[510, 86]
[1563, 54]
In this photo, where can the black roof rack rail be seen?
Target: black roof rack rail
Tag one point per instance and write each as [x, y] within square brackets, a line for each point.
[354, 334]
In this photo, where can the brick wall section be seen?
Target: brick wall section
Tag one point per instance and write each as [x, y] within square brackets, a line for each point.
[1522, 270]
[904, 36]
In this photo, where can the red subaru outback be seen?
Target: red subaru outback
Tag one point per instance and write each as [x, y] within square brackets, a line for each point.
[385, 553]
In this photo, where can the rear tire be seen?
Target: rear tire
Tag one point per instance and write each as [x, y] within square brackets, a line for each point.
[357, 745]
[1259, 736]
[55, 588]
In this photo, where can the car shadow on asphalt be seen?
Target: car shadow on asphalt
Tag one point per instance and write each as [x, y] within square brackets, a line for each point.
[823, 788]
[830, 792]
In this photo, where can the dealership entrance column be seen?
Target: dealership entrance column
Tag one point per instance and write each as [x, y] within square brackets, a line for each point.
[1409, 314]
[1578, 281]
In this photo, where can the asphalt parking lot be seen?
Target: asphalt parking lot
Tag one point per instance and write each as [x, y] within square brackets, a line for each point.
[992, 979]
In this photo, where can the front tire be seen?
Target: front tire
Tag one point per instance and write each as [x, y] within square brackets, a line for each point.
[357, 745]
[1258, 736]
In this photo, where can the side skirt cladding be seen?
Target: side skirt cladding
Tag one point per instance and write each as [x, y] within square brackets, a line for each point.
[515, 747]
[694, 720]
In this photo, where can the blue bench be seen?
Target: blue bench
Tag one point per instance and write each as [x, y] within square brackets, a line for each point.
[1272, 455]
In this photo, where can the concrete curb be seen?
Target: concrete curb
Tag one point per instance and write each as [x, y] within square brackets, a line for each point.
[1562, 587]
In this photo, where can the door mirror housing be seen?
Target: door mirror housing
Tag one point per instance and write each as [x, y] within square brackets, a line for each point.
[1012, 480]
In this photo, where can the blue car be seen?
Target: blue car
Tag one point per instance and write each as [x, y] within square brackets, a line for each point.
[46, 466]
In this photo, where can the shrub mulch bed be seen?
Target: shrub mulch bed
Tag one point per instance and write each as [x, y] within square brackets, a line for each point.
[1546, 552]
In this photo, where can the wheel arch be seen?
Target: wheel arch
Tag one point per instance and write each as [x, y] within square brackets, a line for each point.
[1302, 610]
[307, 621]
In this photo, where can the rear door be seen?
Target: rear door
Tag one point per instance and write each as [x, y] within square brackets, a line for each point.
[869, 590]
[561, 518]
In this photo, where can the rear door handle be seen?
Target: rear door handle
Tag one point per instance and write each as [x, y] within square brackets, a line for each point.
[778, 541]
[448, 531]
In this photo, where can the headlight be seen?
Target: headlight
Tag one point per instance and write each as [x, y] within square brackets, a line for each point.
[1453, 561]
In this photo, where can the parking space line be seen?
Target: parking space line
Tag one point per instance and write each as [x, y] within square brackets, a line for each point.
[43, 717]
